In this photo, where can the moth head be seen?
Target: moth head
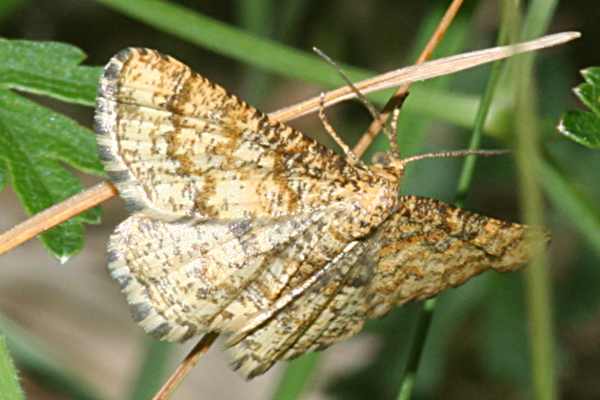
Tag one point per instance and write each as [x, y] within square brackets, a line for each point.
[381, 158]
[387, 164]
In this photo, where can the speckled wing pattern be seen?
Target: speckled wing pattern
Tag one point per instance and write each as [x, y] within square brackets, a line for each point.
[245, 226]
[178, 146]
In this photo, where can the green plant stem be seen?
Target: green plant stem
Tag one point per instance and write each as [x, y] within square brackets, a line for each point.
[153, 368]
[468, 169]
[296, 376]
[409, 377]
[538, 280]
[426, 312]
[527, 129]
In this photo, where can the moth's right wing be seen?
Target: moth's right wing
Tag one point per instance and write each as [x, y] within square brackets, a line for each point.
[176, 145]
[423, 248]
[427, 246]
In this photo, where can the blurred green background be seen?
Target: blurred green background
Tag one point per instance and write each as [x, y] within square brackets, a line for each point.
[68, 327]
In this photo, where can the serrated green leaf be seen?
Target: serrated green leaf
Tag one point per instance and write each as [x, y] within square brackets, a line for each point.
[583, 127]
[33, 143]
[592, 75]
[9, 380]
[589, 94]
[48, 68]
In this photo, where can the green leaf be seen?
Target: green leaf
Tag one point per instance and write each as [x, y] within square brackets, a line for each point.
[227, 40]
[9, 380]
[257, 17]
[592, 76]
[34, 141]
[47, 68]
[583, 127]
[589, 92]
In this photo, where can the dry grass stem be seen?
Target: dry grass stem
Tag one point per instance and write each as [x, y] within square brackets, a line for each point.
[186, 366]
[56, 215]
[398, 98]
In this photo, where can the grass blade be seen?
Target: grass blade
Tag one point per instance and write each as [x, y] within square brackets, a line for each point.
[538, 292]
[578, 209]
[32, 356]
[274, 57]
[296, 377]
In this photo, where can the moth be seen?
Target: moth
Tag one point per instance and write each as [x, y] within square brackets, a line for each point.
[243, 225]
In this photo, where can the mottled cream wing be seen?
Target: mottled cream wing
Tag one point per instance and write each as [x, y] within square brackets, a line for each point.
[245, 226]
[176, 145]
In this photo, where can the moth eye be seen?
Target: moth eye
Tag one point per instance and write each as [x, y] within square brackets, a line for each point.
[381, 158]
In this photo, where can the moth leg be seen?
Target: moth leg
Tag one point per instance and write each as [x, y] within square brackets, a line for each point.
[379, 118]
[392, 133]
[354, 160]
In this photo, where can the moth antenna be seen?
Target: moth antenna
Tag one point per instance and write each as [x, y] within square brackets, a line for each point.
[368, 105]
[375, 114]
[455, 153]
[354, 160]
